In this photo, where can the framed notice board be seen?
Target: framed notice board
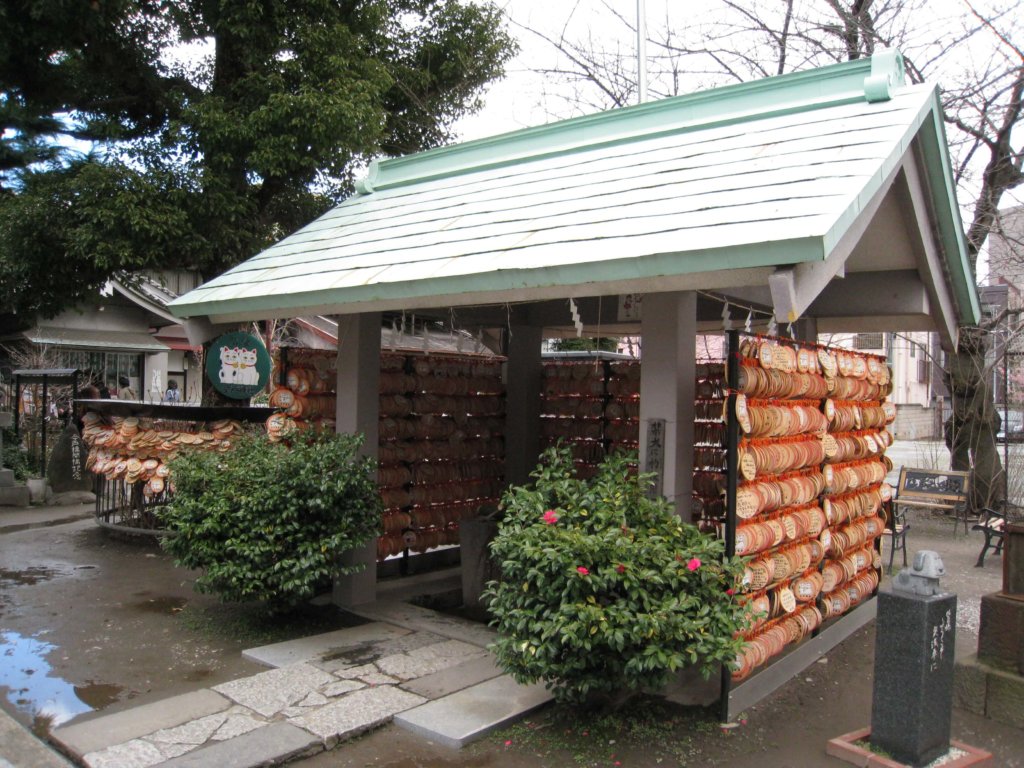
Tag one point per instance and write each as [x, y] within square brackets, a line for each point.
[933, 484]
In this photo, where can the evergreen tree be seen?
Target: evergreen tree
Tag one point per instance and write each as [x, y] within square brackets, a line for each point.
[215, 127]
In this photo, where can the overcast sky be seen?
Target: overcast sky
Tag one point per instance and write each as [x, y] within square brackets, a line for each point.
[525, 99]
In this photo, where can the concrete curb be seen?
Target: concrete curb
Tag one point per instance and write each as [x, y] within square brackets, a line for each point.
[14, 520]
[20, 749]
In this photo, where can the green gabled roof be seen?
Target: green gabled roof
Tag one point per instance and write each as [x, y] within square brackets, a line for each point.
[748, 176]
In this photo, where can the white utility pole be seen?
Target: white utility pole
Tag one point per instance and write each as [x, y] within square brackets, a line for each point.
[641, 51]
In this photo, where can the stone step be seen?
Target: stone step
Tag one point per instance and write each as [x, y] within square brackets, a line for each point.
[472, 713]
[272, 745]
[426, 620]
[94, 734]
[448, 681]
[319, 647]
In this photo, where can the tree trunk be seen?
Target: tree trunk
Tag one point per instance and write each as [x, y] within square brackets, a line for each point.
[971, 431]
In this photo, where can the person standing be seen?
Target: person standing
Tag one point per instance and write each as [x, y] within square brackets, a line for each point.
[125, 391]
[173, 394]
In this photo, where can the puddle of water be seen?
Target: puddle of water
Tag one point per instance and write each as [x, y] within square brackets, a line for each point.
[355, 657]
[168, 605]
[27, 680]
[27, 576]
[98, 695]
[197, 675]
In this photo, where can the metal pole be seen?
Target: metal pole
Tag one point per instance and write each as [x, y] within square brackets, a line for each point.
[1006, 425]
[641, 51]
[17, 408]
[42, 421]
[732, 437]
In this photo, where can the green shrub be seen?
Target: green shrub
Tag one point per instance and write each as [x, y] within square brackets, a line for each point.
[604, 590]
[15, 457]
[269, 521]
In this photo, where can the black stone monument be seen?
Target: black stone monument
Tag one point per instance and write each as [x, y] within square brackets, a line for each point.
[913, 687]
[66, 469]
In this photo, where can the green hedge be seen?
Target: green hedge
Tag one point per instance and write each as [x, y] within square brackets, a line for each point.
[268, 521]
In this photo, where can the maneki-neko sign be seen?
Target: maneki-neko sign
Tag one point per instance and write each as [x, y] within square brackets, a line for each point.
[238, 365]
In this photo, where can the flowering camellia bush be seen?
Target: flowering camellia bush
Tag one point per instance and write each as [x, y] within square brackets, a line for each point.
[604, 591]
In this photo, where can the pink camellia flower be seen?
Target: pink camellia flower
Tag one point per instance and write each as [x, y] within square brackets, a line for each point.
[550, 518]
[582, 571]
[730, 591]
[621, 568]
[693, 564]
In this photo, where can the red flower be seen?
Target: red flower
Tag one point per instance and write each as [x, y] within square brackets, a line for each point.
[549, 517]
[693, 564]
[582, 571]
[621, 568]
[730, 591]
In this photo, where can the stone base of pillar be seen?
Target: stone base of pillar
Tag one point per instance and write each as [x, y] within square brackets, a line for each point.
[15, 496]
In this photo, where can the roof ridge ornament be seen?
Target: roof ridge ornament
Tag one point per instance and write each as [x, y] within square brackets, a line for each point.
[887, 72]
[365, 185]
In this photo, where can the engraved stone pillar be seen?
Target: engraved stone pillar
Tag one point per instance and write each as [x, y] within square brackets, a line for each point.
[912, 705]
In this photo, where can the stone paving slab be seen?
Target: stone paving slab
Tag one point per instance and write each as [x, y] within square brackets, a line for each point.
[270, 692]
[136, 753]
[425, 620]
[356, 713]
[428, 659]
[275, 744]
[322, 646]
[473, 712]
[219, 727]
[340, 662]
[454, 679]
[98, 733]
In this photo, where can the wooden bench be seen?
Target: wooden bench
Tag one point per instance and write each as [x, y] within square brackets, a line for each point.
[934, 489]
[992, 524]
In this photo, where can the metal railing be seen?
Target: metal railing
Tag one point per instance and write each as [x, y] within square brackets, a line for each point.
[125, 507]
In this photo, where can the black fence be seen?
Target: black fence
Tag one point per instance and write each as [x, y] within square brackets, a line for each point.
[128, 508]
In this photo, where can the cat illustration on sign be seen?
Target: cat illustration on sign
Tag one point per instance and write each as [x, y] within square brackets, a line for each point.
[247, 373]
[229, 365]
[238, 366]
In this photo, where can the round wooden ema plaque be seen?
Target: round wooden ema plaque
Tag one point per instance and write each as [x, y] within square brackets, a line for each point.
[787, 599]
[830, 410]
[889, 410]
[803, 361]
[742, 414]
[748, 467]
[826, 507]
[747, 503]
[826, 538]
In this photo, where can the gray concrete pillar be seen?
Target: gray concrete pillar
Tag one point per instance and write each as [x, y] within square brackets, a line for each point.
[667, 389]
[806, 330]
[522, 419]
[358, 411]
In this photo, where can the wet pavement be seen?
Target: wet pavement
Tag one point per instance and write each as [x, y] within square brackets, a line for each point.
[89, 622]
[94, 624]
